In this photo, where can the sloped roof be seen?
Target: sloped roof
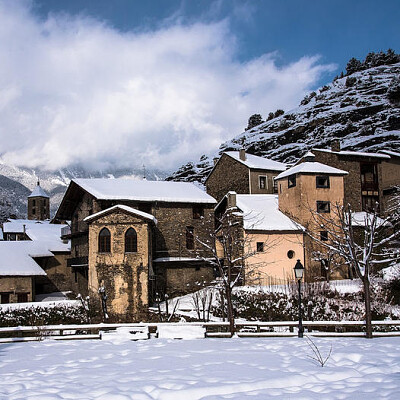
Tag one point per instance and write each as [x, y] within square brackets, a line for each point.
[311, 168]
[16, 258]
[49, 235]
[128, 209]
[390, 153]
[130, 189]
[38, 192]
[354, 153]
[256, 162]
[261, 212]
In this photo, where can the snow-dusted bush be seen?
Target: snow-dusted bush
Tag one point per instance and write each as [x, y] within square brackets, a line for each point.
[319, 302]
[52, 315]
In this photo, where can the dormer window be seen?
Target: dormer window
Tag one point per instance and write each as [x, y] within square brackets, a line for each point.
[291, 180]
[322, 181]
[262, 182]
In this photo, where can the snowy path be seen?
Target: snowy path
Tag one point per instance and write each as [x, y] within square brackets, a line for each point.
[270, 368]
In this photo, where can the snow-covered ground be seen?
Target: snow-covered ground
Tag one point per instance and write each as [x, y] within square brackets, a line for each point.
[270, 368]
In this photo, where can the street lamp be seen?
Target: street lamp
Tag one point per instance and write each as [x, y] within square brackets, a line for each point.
[298, 273]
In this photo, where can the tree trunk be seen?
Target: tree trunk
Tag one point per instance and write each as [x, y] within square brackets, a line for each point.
[367, 300]
[229, 307]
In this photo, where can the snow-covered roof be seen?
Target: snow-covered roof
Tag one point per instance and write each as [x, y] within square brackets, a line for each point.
[128, 209]
[311, 168]
[49, 235]
[177, 259]
[16, 258]
[257, 162]
[390, 153]
[354, 153]
[38, 192]
[261, 212]
[363, 219]
[130, 189]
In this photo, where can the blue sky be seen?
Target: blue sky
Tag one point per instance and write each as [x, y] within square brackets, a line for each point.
[162, 82]
[336, 30]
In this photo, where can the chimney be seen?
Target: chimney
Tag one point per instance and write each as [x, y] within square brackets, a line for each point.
[231, 199]
[335, 145]
[242, 154]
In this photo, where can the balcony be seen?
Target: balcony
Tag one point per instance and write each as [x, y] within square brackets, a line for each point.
[78, 261]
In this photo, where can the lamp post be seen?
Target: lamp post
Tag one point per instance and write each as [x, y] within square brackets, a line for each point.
[298, 273]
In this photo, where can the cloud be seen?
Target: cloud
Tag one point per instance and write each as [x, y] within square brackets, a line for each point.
[76, 91]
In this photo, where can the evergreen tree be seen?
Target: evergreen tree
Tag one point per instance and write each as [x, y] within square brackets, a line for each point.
[254, 120]
[353, 65]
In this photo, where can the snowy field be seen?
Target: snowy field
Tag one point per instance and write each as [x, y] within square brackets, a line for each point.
[267, 368]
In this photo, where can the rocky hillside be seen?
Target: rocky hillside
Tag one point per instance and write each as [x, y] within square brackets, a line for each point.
[361, 109]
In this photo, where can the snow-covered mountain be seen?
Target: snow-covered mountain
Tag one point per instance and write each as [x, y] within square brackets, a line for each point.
[362, 110]
[16, 183]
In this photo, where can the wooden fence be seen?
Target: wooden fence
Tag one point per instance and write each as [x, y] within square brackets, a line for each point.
[211, 329]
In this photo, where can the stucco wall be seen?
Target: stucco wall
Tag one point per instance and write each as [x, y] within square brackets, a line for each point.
[272, 266]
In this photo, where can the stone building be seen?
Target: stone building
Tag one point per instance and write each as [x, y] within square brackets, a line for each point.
[372, 177]
[38, 204]
[39, 247]
[272, 242]
[137, 237]
[242, 173]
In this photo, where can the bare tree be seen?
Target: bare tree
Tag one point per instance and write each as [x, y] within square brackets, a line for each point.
[361, 244]
[230, 248]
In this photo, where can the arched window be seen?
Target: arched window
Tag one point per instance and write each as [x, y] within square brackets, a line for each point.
[130, 241]
[104, 241]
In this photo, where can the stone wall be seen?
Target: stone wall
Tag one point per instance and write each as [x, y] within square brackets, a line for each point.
[38, 208]
[13, 285]
[228, 174]
[124, 275]
[170, 232]
[352, 181]
[255, 185]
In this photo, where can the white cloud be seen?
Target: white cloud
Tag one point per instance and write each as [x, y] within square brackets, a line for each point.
[73, 90]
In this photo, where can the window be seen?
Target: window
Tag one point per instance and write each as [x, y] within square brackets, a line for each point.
[262, 182]
[4, 298]
[260, 247]
[198, 212]
[33, 211]
[322, 182]
[130, 241]
[369, 202]
[290, 254]
[275, 184]
[33, 202]
[104, 241]
[323, 235]
[291, 181]
[323, 207]
[190, 237]
[324, 268]
[22, 297]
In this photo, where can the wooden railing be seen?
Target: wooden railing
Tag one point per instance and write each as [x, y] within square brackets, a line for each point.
[212, 329]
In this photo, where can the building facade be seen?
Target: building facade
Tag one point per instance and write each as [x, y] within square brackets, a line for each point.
[169, 221]
[242, 173]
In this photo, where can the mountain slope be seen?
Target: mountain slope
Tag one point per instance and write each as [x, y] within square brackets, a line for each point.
[362, 110]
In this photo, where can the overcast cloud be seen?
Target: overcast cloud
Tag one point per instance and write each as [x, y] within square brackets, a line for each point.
[73, 90]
